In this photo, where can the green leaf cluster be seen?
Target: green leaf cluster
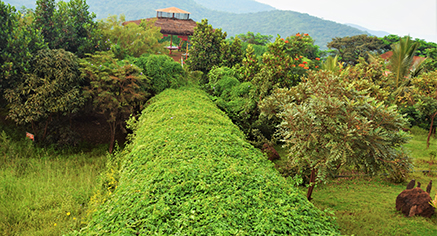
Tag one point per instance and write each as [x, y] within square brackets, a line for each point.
[351, 48]
[257, 39]
[52, 87]
[189, 171]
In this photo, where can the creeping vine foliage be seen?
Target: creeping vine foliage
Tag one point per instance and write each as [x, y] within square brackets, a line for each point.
[189, 171]
[327, 123]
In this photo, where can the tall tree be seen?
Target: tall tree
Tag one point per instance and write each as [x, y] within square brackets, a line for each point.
[232, 54]
[51, 87]
[76, 31]
[18, 41]
[45, 21]
[206, 48]
[116, 87]
[350, 48]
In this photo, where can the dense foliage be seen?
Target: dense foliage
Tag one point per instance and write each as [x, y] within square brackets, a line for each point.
[67, 25]
[256, 39]
[209, 48]
[18, 41]
[163, 72]
[190, 171]
[350, 49]
[53, 87]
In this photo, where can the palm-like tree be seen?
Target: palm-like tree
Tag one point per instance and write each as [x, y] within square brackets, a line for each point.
[402, 63]
[332, 64]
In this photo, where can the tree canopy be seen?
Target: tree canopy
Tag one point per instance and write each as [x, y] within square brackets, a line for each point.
[350, 48]
[53, 86]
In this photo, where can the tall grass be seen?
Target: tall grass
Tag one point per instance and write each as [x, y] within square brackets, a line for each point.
[43, 191]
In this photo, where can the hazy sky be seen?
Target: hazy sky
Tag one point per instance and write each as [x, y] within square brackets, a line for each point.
[416, 18]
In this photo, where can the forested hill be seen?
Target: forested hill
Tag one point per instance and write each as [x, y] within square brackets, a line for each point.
[235, 6]
[274, 22]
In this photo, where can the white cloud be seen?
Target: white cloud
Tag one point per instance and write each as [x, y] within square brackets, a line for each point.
[402, 17]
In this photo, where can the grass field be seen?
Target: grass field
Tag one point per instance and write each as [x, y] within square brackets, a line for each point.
[44, 192]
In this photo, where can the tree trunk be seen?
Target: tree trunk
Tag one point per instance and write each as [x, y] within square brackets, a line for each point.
[430, 129]
[45, 127]
[312, 183]
[112, 127]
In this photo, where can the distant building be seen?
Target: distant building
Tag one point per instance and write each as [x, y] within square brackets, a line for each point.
[172, 21]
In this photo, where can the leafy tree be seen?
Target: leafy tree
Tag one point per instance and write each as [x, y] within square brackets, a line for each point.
[302, 45]
[130, 39]
[389, 40]
[430, 63]
[18, 41]
[116, 87]
[208, 44]
[52, 87]
[232, 54]
[250, 64]
[257, 39]
[210, 48]
[45, 21]
[68, 25]
[76, 31]
[326, 124]
[350, 48]
[369, 76]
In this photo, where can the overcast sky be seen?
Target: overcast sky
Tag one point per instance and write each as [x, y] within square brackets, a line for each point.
[416, 18]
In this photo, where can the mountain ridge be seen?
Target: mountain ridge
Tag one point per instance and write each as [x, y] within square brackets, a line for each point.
[272, 22]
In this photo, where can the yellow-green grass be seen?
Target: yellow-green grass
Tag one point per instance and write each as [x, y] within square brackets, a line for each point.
[366, 205]
[43, 192]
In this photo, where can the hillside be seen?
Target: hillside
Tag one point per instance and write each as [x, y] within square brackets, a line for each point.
[377, 33]
[240, 6]
[284, 23]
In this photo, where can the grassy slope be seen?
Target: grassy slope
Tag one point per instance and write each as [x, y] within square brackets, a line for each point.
[189, 171]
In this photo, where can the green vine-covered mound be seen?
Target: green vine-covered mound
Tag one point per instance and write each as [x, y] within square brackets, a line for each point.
[190, 171]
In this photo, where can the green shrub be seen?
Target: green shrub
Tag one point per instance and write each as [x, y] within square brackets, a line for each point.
[189, 171]
[162, 70]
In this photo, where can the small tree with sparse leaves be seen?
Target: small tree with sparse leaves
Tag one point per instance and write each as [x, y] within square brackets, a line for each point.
[327, 123]
[116, 87]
